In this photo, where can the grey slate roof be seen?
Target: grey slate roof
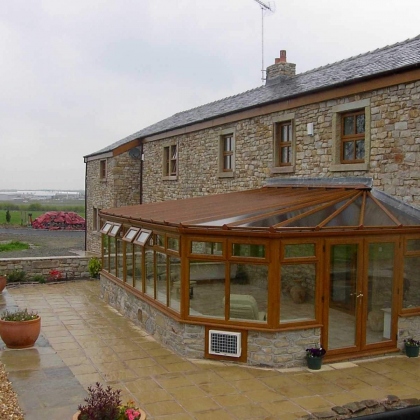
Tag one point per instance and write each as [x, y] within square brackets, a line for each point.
[390, 58]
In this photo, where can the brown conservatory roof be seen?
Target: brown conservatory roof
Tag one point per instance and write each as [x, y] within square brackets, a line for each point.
[279, 209]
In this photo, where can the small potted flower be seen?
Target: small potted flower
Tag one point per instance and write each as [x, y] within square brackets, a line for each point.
[105, 403]
[314, 357]
[411, 347]
[20, 329]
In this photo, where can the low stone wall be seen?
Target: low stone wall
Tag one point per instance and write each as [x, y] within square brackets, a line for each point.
[270, 349]
[70, 267]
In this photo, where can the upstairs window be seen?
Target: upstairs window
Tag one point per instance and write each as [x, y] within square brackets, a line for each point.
[102, 169]
[170, 161]
[353, 137]
[284, 136]
[227, 153]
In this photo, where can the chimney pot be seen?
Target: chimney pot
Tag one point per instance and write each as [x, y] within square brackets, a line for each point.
[282, 58]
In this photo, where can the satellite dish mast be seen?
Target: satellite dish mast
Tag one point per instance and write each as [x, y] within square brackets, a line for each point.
[265, 7]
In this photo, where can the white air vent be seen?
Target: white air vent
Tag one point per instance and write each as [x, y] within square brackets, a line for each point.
[224, 343]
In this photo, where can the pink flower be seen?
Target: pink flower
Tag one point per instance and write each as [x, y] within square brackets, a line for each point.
[132, 414]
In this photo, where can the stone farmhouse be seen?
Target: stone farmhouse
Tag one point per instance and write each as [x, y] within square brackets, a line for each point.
[250, 228]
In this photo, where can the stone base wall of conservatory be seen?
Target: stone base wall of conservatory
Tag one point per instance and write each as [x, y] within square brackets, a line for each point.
[408, 327]
[269, 349]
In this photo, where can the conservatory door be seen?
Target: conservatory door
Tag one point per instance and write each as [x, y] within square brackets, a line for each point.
[359, 295]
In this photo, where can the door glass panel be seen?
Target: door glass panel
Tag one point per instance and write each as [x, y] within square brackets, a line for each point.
[161, 286]
[150, 272]
[379, 299]
[175, 283]
[138, 277]
[411, 288]
[342, 303]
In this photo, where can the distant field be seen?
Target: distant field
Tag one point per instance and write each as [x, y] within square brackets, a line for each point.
[21, 218]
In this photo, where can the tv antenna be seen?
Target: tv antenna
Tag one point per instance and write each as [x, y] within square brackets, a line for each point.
[265, 7]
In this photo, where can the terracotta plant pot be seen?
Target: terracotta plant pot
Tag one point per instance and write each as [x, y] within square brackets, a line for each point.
[3, 282]
[142, 415]
[20, 334]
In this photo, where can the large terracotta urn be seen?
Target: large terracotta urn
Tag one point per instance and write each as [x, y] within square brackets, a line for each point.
[3, 282]
[20, 334]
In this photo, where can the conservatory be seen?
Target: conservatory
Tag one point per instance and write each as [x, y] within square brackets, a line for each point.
[257, 276]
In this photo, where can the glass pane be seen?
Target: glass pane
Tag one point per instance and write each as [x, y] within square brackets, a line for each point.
[173, 167]
[227, 162]
[298, 292]
[160, 240]
[207, 248]
[120, 259]
[248, 292]
[375, 216]
[411, 289]
[248, 250]
[299, 250]
[161, 283]
[342, 302]
[227, 146]
[348, 151]
[129, 264]
[150, 273]
[285, 154]
[106, 227]
[290, 132]
[207, 280]
[175, 283]
[173, 152]
[173, 243]
[285, 133]
[380, 284]
[350, 216]
[131, 233]
[112, 257]
[348, 125]
[138, 278]
[413, 245]
[360, 149]
[105, 252]
[360, 123]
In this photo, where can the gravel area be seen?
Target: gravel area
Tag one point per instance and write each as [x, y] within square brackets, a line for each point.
[43, 243]
[9, 405]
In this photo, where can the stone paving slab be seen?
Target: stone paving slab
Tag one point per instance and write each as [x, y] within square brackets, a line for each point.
[83, 340]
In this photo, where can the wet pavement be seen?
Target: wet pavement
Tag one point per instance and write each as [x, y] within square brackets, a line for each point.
[83, 340]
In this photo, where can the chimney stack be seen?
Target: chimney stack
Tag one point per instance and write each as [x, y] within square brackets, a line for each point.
[280, 70]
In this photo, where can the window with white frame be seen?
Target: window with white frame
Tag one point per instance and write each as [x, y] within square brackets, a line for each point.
[227, 153]
[284, 144]
[170, 161]
[351, 136]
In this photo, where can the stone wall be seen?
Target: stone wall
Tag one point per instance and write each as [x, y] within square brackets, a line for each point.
[277, 349]
[71, 267]
[393, 164]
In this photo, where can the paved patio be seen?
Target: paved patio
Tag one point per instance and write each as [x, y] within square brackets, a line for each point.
[83, 340]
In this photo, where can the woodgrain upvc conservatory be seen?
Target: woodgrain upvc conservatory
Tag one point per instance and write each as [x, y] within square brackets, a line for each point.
[258, 276]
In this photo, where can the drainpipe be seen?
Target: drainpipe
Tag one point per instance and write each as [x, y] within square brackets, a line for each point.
[86, 204]
[141, 172]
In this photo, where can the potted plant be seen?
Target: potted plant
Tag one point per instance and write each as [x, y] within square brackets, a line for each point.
[411, 347]
[105, 404]
[314, 357]
[20, 329]
[3, 282]
[94, 267]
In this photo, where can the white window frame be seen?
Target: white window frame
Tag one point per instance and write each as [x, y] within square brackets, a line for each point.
[337, 112]
[224, 173]
[277, 168]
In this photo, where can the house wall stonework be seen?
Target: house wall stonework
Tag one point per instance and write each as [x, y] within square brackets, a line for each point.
[394, 161]
[277, 349]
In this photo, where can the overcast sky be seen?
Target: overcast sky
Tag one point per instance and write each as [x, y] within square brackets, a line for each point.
[76, 76]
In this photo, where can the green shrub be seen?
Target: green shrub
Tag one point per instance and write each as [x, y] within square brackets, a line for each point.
[16, 276]
[13, 246]
[21, 315]
[39, 278]
[94, 267]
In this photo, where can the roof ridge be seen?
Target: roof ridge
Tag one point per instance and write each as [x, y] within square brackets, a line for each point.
[359, 55]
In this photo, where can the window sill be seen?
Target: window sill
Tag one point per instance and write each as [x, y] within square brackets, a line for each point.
[343, 167]
[282, 169]
[169, 178]
[226, 174]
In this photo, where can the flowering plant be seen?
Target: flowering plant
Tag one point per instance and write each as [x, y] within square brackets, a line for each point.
[411, 342]
[317, 351]
[55, 275]
[105, 404]
[21, 315]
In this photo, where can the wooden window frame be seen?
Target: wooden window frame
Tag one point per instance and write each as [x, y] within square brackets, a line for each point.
[354, 137]
[225, 172]
[280, 143]
[170, 161]
[103, 169]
